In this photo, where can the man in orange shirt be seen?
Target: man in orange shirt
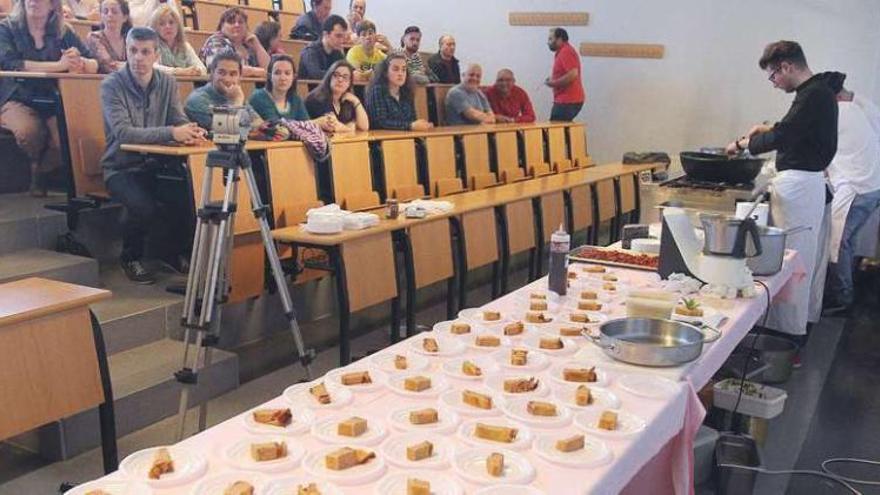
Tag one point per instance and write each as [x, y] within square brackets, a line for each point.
[568, 90]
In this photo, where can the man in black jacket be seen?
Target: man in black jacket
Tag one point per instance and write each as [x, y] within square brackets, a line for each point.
[308, 26]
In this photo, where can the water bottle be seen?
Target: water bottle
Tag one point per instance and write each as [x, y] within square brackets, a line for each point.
[560, 244]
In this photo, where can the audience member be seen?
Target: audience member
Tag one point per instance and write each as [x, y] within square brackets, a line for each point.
[176, 55]
[224, 89]
[141, 106]
[108, 43]
[357, 11]
[444, 64]
[509, 102]
[142, 10]
[269, 34]
[33, 124]
[334, 100]
[365, 55]
[419, 72]
[279, 99]
[465, 103]
[232, 34]
[568, 90]
[78, 9]
[320, 54]
[308, 26]
[390, 99]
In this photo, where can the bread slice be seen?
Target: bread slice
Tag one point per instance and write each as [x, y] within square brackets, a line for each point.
[320, 393]
[501, 434]
[537, 317]
[310, 489]
[579, 375]
[515, 328]
[491, 315]
[273, 417]
[419, 451]
[571, 331]
[539, 408]
[538, 305]
[495, 465]
[589, 305]
[425, 416]
[416, 383]
[268, 451]
[162, 464]
[583, 396]
[589, 294]
[608, 420]
[519, 357]
[400, 362]
[415, 486]
[471, 369]
[488, 341]
[430, 345]
[356, 378]
[352, 427]
[239, 488]
[570, 444]
[476, 399]
[594, 269]
[550, 343]
[460, 328]
[520, 385]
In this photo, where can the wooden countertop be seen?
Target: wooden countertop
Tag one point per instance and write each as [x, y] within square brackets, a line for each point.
[35, 297]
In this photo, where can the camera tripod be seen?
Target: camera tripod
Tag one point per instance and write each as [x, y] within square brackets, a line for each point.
[207, 285]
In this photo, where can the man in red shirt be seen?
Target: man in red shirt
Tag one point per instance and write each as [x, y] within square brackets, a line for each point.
[568, 90]
[509, 102]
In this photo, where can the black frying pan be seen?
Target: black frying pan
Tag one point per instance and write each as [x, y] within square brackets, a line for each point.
[714, 167]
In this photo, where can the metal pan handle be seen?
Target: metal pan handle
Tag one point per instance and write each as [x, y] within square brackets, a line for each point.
[715, 333]
[597, 341]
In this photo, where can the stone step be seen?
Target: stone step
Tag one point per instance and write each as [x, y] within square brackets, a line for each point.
[35, 262]
[25, 223]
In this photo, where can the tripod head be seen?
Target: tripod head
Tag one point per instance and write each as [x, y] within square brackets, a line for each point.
[230, 126]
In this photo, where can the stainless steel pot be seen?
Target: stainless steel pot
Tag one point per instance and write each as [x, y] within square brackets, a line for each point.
[730, 236]
[769, 262]
[652, 342]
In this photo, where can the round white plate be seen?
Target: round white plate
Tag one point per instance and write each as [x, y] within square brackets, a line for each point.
[452, 400]
[325, 430]
[452, 367]
[438, 385]
[356, 475]
[448, 346]
[302, 418]
[496, 384]
[188, 466]
[470, 464]
[509, 490]
[708, 314]
[472, 342]
[595, 452]
[395, 450]
[446, 420]
[525, 303]
[441, 484]
[298, 395]
[536, 360]
[444, 328]
[239, 454]
[377, 377]
[289, 485]
[523, 436]
[517, 409]
[475, 315]
[556, 373]
[217, 484]
[533, 343]
[596, 318]
[627, 424]
[553, 317]
[128, 487]
[385, 362]
[648, 386]
[602, 397]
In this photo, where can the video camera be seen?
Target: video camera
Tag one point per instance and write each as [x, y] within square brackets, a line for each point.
[230, 125]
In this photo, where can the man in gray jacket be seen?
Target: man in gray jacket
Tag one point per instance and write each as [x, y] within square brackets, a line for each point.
[141, 106]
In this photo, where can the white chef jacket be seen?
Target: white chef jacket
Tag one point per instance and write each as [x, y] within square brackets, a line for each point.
[142, 10]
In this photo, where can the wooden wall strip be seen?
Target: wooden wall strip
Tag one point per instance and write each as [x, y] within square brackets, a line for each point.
[550, 19]
[622, 50]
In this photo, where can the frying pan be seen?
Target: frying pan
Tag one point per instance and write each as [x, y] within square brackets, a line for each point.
[717, 167]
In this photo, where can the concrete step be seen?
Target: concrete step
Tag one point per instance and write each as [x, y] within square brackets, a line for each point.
[25, 223]
[36, 262]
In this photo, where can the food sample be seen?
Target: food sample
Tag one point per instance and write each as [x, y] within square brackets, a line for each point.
[589, 305]
[519, 357]
[618, 256]
[579, 317]
[610, 287]
[501, 434]
[310, 489]
[471, 369]
[689, 307]
[460, 328]
[570, 444]
[97, 492]
[273, 417]
[420, 451]
[415, 486]
[320, 393]
[608, 420]
[514, 328]
[572, 275]
[594, 269]
[538, 295]
[538, 305]
[571, 331]
[239, 488]
[582, 396]
[417, 383]
[551, 343]
[609, 277]
[495, 464]
[352, 427]
[589, 294]
[476, 399]
[424, 416]
[268, 451]
[491, 315]
[347, 457]
[538, 408]
[520, 385]
[162, 464]
[579, 375]
[356, 378]
[430, 344]
[487, 341]
[400, 362]
[537, 317]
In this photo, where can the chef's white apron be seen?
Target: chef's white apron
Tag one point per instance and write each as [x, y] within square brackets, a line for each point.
[843, 198]
[797, 198]
[817, 287]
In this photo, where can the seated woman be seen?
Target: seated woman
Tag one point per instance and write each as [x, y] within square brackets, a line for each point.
[34, 38]
[78, 9]
[176, 55]
[232, 34]
[390, 98]
[108, 43]
[334, 100]
[269, 34]
[279, 99]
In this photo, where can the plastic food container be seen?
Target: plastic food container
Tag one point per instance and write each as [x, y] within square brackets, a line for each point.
[760, 401]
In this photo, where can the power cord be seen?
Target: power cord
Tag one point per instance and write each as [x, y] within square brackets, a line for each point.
[810, 472]
[742, 378]
[856, 481]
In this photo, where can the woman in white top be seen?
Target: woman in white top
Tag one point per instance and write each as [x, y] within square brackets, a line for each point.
[81, 9]
[176, 55]
[142, 10]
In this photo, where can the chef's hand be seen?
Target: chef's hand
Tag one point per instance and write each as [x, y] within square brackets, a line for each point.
[737, 145]
[759, 129]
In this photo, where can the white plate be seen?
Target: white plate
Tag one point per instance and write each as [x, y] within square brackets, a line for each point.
[217, 484]
[452, 367]
[356, 475]
[596, 318]
[302, 418]
[441, 484]
[188, 466]
[517, 409]
[395, 450]
[446, 420]
[595, 452]
[438, 385]
[472, 342]
[452, 400]
[445, 328]
[385, 362]
[523, 436]
[569, 346]
[298, 395]
[288, 486]
[602, 397]
[627, 424]
[536, 360]
[648, 386]
[556, 373]
[475, 315]
[710, 316]
[554, 317]
[325, 430]
[239, 454]
[496, 384]
[509, 490]
[448, 346]
[127, 487]
[377, 377]
[470, 464]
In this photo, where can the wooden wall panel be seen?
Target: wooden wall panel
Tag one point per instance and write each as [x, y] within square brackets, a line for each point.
[549, 19]
[622, 50]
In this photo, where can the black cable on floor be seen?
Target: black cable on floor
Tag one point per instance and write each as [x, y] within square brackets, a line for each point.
[742, 378]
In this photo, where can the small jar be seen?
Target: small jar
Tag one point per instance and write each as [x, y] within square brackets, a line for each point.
[392, 209]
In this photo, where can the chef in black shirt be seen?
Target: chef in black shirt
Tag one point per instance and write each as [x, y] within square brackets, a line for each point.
[805, 141]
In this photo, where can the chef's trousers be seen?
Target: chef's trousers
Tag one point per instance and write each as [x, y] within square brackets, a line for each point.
[840, 274]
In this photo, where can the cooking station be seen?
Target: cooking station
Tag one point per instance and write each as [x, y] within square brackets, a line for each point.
[685, 192]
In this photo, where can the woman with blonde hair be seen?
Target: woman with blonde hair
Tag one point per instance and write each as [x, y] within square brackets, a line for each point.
[176, 55]
[108, 43]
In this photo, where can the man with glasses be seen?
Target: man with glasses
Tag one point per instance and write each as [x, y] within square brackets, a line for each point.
[510, 102]
[320, 54]
[365, 55]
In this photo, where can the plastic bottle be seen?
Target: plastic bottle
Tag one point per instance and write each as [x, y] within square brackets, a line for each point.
[560, 245]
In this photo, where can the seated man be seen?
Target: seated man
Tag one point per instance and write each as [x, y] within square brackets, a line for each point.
[320, 54]
[444, 64]
[419, 72]
[465, 103]
[365, 55]
[141, 106]
[224, 89]
[308, 26]
[510, 102]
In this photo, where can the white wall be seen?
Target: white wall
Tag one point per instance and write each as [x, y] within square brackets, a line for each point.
[706, 90]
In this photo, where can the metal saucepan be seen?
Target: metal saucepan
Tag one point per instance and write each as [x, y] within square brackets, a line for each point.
[652, 342]
[714, 167]
[769, 262]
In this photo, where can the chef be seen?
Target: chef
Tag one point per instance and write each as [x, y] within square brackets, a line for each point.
[805, 141]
